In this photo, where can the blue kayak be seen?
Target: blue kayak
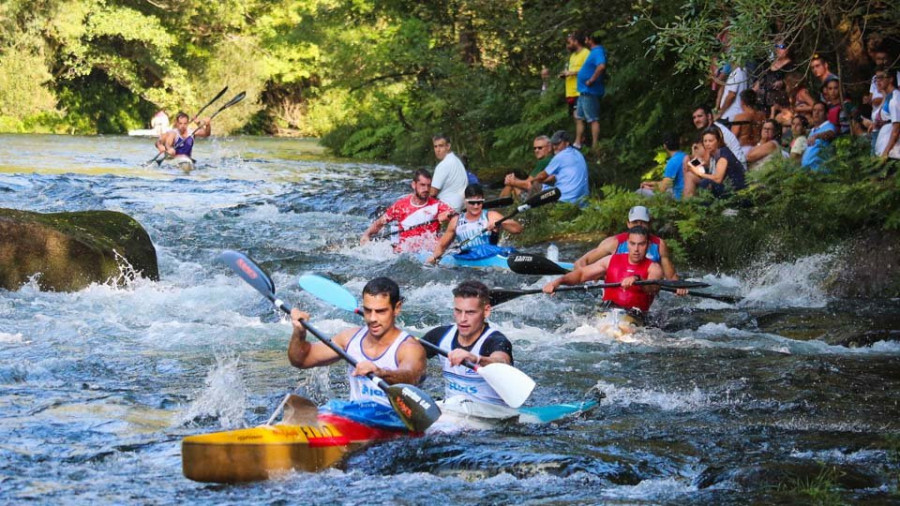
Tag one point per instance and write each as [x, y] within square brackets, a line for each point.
[494, 261]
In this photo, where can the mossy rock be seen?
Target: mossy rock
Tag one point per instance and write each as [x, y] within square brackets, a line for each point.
[71, 250]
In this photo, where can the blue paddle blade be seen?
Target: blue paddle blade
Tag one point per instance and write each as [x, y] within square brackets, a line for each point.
[328, 291]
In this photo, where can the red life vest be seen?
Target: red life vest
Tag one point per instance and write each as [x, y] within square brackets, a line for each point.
[633, 297]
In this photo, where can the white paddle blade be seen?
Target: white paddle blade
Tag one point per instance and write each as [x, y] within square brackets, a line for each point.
[511, 384]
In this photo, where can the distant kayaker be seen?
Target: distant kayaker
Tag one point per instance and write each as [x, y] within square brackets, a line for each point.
[470, 338]
[178, 141]
[657, 251]
[418, 216]
[625, 268]
[475, 228]
[379, 347]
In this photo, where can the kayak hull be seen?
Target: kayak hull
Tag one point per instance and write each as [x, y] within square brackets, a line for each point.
[618, 324]
[462, 412]
[260, 452]
[182, 162]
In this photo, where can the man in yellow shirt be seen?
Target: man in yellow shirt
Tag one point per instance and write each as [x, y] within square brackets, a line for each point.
[579, 53]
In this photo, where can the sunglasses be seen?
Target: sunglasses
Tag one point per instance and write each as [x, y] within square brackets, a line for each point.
[475, 202]
[780, 46]
[540, 147]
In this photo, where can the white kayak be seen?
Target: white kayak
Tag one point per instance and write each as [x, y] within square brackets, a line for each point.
[462, 412]
[182, 162]
[147, 132]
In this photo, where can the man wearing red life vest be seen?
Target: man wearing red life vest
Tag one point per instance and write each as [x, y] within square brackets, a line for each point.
[624, 268]
[418, 217]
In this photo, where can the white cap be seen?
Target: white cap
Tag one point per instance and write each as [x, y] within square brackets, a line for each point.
[639, 213]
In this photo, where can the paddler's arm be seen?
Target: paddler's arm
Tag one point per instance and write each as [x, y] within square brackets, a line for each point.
[410, 365]
[204, 128]
[511, 226]
[303, 354]
[668, 267]
[605, 248]
[655, 272]
[444, 242]
[578, 276]
[373, 229]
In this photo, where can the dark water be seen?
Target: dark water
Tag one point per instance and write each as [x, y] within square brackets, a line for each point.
[760, 402]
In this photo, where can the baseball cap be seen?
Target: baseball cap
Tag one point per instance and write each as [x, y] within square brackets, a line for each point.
[559, 136]
[639, 213]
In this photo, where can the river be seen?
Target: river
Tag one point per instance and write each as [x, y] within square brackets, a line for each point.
[757, 402]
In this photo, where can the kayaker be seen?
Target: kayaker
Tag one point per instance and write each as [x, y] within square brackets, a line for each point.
[624, 268]
[379, 347]
[475, 228]
[470, 338]
[177, 141]
[418, 217]
[657, 251]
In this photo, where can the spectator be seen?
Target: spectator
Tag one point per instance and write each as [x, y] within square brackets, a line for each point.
[730, 105]
[800, 98]
[771, 87]
[819, 139]
[722, 173]
[673, 175]
[591, 89]
[545, 79]
[748, 123]
[881, 59]
[769, 145]
[799, 127]
[578, 54]
[819, 67]
[888, 116]
[567, 170]
[450, 179]
[703, 118]
[514, 186]
[838, 109]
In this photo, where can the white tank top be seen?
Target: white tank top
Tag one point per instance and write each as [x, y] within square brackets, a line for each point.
[361, 387]
[466, 229]
[461, 380]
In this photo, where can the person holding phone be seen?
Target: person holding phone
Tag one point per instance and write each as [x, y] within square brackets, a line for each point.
[723, 173]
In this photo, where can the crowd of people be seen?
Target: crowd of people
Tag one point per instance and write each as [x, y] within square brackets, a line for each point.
[773, 113]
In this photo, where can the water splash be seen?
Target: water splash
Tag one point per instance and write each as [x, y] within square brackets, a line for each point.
[223, 398]
[790, 284]
[693, 400]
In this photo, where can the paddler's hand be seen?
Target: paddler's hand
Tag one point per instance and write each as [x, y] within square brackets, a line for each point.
[365, 367]
[431, 260]
[445, 216]
[299, 329]
[629, 281]
[550, 287]
[364, 239]
[681, 292]
[458, 355]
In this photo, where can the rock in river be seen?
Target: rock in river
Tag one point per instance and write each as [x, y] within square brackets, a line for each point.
[71, 250]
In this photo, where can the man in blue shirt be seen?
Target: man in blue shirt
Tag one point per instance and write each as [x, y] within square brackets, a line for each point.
[819, 139]
[567, 170]
[673, 176]
[591, 88]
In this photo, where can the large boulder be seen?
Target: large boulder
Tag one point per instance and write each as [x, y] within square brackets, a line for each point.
[71, 250]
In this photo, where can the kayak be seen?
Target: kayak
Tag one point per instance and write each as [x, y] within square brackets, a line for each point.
[261, 452]
[182, 162]
[148, 132]
[618, 324]
[494, 261]
[463, 412]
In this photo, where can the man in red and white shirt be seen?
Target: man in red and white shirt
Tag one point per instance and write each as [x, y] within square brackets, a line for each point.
[418, 217]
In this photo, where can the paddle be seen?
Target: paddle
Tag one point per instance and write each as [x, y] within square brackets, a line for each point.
[541, 199]
[488, 204]
[499, 295]
[415, 407]
[527, 263]
[511, 384]
[237, 98]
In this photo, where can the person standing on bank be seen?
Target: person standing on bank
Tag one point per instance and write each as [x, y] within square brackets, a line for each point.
[450, 178]
[591, 89]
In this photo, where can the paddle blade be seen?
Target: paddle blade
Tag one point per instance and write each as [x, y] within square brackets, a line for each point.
[237, 98]
[416, 408]
[499, 295]
[328, 291]
[543, 198]
[677, 283]
[511, 384]
[249, 272]
[522, 263]
[501, 202]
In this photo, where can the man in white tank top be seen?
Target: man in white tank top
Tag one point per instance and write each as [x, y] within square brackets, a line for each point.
[379, 347]
[472, 339]
[475, 225]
